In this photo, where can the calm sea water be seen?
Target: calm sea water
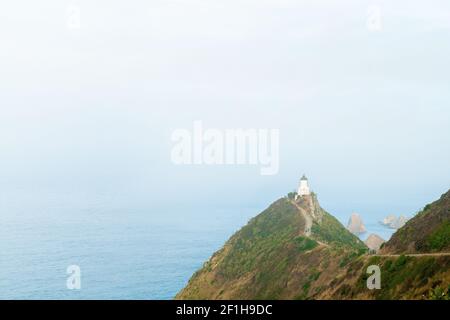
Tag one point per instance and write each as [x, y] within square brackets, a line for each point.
[125, 250]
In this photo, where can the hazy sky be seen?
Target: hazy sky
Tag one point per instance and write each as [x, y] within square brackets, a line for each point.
[364, 113]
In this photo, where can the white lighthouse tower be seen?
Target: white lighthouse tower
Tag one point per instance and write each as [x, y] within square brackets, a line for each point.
[303, 188]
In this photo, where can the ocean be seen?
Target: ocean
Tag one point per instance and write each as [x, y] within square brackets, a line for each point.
[124, 250]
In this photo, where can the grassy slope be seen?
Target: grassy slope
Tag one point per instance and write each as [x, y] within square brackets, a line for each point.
[428, 231]
[331, 231]
[402, 277]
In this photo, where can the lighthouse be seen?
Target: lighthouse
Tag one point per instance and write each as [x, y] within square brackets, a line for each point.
[303, 188]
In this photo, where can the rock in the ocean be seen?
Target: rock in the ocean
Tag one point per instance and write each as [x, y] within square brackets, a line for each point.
[355, 224]
[393, 222]
[388, 220]
[398, 223]
[374, 242]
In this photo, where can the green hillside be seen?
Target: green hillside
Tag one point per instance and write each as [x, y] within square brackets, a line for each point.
[428, 231]
[277, 256]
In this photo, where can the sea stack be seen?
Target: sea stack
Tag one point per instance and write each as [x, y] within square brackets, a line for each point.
[388, 220]
[356, 225]
[398, 223]
[374, 242]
